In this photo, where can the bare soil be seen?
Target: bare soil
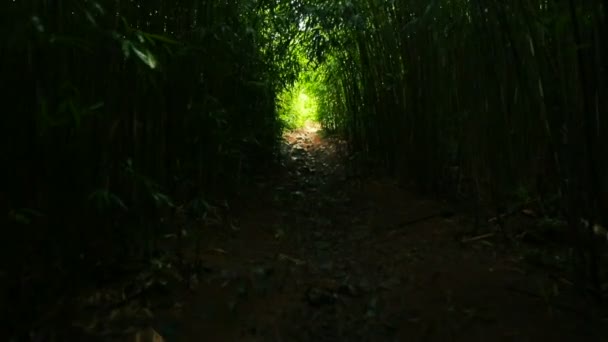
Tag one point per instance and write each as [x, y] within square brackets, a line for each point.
[312, 253]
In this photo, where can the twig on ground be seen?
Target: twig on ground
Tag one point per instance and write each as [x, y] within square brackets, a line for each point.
[476, 238]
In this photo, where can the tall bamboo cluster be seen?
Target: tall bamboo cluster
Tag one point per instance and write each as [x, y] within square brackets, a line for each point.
[508, 98]
[112, 108]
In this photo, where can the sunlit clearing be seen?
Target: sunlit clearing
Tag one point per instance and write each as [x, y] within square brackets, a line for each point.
[298, 107]
[312, 126]
[307, 107]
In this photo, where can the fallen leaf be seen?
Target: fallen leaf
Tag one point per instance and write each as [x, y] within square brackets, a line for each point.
[529, 212]
[284, 257]
[218, 250]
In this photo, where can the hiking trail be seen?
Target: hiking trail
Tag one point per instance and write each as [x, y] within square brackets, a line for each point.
[313, 253]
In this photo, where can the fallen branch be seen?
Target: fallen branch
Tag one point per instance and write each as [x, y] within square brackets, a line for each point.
[478, 237]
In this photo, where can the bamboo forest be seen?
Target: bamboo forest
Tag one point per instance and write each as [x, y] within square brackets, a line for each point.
[304, 170]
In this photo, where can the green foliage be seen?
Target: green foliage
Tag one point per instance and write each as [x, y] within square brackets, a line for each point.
[297, 104]
[118, 109]
[509, 93]
[495, 89]
[24, 216]
[105, 200]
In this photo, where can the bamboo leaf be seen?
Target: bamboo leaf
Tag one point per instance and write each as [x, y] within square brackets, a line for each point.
[145, 56]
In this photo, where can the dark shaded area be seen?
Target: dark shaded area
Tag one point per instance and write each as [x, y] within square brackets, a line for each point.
[455, 189]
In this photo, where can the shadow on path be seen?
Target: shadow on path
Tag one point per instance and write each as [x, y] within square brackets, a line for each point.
[309, 254]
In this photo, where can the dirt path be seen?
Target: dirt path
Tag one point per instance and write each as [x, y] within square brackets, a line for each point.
[312, 255]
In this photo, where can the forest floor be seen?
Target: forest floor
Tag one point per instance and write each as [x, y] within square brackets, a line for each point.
[313, 254]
